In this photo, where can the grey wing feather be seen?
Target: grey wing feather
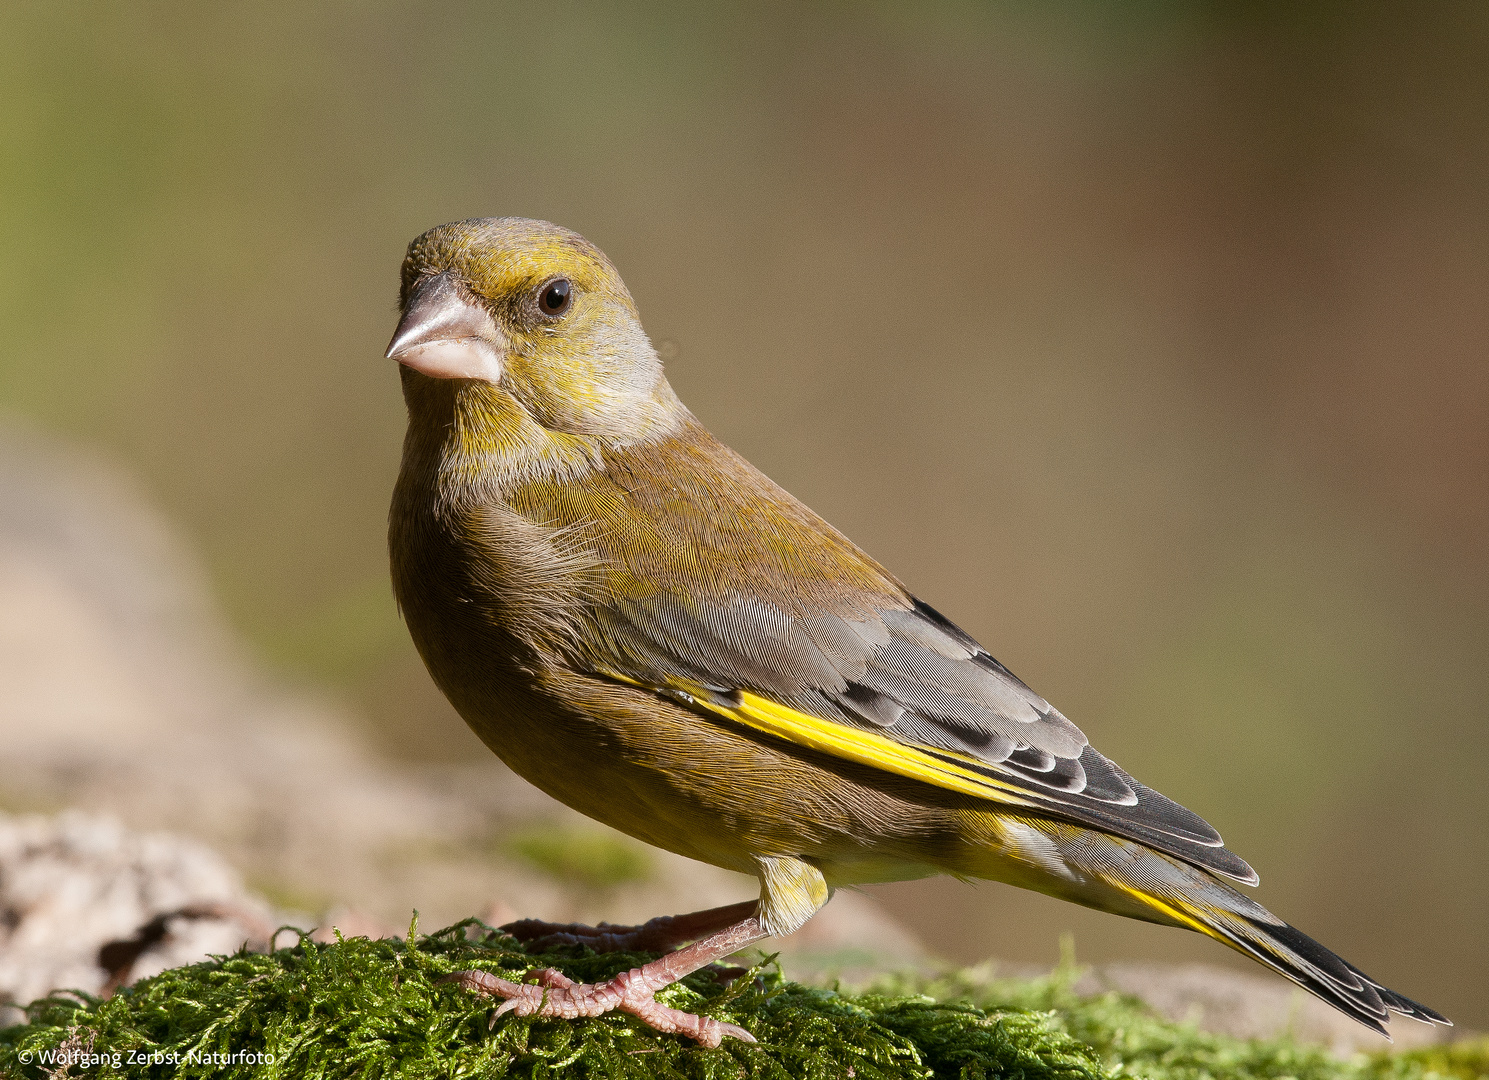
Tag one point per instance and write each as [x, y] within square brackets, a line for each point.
[914, 676]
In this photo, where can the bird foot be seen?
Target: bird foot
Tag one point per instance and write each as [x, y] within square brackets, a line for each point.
[554, 994]
[658, 935]
[606, 937]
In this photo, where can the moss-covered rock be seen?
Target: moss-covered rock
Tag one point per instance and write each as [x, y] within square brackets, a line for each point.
[373, 1009]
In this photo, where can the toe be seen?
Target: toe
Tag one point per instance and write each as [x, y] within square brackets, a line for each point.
[481, 982]
[705, 1030]
[556, 995]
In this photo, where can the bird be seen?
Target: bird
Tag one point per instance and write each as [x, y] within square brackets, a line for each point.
[644, 626]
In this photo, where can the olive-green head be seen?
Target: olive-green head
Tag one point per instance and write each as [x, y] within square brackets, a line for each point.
[516, 310]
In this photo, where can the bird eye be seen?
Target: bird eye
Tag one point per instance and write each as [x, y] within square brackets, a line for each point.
[555, 296]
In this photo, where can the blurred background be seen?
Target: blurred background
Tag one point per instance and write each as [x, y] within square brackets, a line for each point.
[1147, 341]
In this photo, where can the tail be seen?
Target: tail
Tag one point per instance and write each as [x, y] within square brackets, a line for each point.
[1290, 952]
[1127, 878]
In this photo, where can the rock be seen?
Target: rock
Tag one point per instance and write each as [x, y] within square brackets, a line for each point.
[86, 904]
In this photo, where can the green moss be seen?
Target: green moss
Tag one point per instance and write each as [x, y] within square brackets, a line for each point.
[585, 857]
[1130, 1040]
[373, 1009]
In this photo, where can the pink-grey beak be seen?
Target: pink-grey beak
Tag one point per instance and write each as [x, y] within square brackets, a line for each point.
[445, 336]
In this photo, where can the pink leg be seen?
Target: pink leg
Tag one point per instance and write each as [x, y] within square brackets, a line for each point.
[658, 935]
[631, 991]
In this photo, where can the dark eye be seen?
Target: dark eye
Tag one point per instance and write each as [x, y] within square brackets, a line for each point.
[555, 297]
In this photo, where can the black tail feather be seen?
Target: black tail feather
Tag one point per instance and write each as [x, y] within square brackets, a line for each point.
[1400, 1003]
[1332, 978]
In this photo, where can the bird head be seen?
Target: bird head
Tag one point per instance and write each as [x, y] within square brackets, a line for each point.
[509, 313]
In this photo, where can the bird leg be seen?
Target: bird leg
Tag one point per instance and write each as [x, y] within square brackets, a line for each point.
[660, 934]
[631, 991]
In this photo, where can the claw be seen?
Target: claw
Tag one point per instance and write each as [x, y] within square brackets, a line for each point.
[554, 994]
[734, 1031]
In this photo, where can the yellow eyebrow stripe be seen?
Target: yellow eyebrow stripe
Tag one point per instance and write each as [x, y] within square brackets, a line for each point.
[839, 740]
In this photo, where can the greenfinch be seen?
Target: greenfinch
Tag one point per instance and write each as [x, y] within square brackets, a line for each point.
[648, 629]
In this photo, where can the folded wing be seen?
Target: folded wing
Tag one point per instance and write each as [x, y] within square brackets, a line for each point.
[904, 690]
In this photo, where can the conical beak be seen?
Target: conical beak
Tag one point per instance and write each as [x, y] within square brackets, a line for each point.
[446, 336]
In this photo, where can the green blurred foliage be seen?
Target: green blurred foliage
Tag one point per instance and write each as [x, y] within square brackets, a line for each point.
[583, 857]
[1147, 341]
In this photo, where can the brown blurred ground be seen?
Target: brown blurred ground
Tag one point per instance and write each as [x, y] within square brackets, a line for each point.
[1146, 341]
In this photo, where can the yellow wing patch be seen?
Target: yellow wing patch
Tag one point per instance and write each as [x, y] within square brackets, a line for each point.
[839, 740]
[1181, 914]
